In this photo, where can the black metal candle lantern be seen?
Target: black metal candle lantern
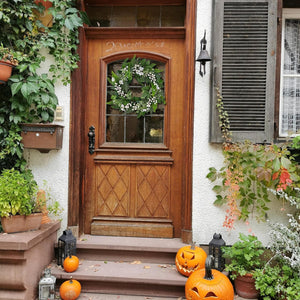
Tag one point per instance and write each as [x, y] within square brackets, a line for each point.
[215, 250]
[66, 246]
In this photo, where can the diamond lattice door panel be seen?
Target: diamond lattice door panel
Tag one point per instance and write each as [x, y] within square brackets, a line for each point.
[113, 193]
[153, 191]
[132, 200]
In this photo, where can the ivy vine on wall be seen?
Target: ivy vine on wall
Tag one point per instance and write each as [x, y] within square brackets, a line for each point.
[29, 96]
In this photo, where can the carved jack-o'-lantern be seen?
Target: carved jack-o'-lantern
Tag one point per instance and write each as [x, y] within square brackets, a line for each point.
[189, 259]
[208, 284]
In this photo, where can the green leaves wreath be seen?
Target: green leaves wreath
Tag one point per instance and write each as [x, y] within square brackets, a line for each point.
[150, 80]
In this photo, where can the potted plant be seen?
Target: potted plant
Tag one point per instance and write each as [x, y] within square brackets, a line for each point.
[245, 256]
[19, 210]
[7, 62]
[279, 279]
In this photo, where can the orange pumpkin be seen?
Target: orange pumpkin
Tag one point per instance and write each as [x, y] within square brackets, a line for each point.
[70, 289]
[189, 259]
[71, 263]
[208, 284]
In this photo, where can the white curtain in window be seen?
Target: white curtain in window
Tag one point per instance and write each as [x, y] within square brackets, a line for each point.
[290, 101]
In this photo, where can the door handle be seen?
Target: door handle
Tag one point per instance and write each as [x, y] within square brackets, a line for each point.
[91, 136]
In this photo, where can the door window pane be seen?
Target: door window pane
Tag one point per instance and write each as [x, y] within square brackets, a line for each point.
[128, 128]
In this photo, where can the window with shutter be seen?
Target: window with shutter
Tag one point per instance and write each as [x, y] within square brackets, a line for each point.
[244, 68]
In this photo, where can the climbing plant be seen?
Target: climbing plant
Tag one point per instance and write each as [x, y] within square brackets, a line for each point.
[29, 95]
[251, 175]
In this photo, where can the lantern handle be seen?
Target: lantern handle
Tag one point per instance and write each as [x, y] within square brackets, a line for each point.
[208, 265]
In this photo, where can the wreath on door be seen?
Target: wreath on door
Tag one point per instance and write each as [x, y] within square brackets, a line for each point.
[136, 73]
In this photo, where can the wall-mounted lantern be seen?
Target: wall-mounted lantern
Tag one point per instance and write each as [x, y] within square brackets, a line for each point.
[203, 56]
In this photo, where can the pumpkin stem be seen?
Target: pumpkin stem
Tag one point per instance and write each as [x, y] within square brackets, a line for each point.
[193, 246]
[208, 264]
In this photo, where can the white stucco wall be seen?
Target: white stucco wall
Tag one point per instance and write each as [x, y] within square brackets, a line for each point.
[53, 167]
[207, 218]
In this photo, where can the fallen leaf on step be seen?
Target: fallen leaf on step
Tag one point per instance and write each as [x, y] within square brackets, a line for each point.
[163, 266]
[136, 262]
[147, 267]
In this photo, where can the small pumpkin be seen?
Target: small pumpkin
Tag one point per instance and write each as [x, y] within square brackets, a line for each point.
[71, 263]
[208, 284]
[70, 289]
[189, 259]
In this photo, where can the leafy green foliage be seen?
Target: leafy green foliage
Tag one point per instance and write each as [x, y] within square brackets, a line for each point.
[245, 255]
[252, 174]
[17, 193]
[277, 281]
[249, 174]
[30, 96]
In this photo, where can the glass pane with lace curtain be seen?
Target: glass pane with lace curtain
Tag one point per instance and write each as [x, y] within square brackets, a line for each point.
[290, 95]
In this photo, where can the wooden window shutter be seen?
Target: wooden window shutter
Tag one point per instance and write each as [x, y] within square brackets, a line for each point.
[244, 62]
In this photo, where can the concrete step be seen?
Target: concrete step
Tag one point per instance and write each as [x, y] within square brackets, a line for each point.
[92, 296]
[125, 278]
[126, 266]
[107, 248]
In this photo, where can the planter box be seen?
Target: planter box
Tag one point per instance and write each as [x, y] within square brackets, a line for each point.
[21, 223]
[43, 137]
[23, 257]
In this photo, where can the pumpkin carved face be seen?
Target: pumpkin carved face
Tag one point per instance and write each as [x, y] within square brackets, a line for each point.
[208, 284]
[70, 289]
[71, 263]
[189, 259]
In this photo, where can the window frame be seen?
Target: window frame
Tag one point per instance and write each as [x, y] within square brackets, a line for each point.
[103, 144]
[287, 13]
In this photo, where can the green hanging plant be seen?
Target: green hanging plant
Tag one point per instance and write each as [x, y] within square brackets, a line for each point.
[29, 96]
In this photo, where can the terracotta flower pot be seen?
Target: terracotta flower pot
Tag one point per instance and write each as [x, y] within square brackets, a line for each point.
[5, 70]
[245, 287]
[18, 223]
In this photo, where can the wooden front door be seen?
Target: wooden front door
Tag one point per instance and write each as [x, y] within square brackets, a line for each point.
[134, 185]
[132, 176]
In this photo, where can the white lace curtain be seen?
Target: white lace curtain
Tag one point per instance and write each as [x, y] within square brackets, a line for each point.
[290, 101]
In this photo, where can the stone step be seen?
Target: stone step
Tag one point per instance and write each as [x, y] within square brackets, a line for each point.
[92, 296]
[108, 248]
[125, 278]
